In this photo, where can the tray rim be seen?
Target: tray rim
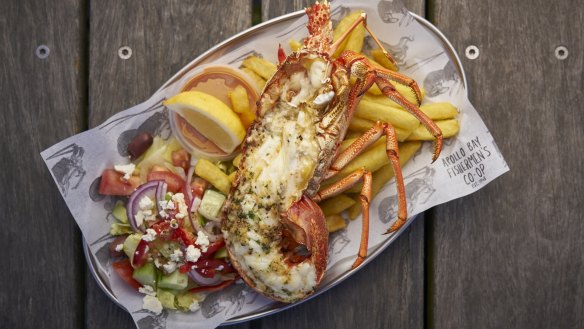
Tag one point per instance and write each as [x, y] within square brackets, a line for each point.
[373, 253]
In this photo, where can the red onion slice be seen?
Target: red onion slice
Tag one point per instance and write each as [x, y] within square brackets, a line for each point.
[161, 192]
[147, 189]
[203, 281]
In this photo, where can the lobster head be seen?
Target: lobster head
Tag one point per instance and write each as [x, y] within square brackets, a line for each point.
[320, 27]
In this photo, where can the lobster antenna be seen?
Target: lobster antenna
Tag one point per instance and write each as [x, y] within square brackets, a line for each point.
[380, 45]
[336, 44]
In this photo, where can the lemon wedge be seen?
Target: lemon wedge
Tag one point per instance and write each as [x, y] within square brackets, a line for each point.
[210, 116]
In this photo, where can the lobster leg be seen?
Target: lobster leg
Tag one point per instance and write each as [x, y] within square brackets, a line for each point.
[365, 199]
[388, 90]
[368, 138]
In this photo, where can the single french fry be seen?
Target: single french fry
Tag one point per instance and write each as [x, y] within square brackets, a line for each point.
[381, 59]
[240, 105]
[335, 223]
[385, 173]
[355, 39]
[232, 176]
[373, 62]
[449, 129]
[355, 210]
[382, 99]
[439, 111]
[239, 100]
[259, 81]
[295, 45]
[360, 125]
[375, 111]
[262, 67]
[336, 204]
[211, 173]
[352, 134]
[341, 28]
[236, 160]
[346, 143]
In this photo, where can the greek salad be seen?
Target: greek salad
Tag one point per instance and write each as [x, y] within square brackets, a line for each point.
[168, 244]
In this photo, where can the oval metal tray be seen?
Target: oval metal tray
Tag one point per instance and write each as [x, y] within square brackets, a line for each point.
[333, 280]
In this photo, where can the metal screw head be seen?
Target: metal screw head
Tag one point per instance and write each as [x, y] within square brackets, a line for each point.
[125, 52]
[472, 52]
[561, 52]
[42, 51]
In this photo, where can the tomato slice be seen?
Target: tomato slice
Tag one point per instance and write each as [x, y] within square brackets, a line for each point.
[181, 235]
[112, 183]
[216, 287]
[174, 182]
[125, 270]
[198, 187]
[212, 248]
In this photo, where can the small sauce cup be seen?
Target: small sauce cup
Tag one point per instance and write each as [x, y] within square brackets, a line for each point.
[218, 81]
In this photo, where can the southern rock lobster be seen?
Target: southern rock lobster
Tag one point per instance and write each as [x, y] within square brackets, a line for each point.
[275, 232]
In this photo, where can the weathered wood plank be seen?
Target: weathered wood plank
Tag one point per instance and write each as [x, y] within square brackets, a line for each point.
[42, 260]
[389, 292]
[511, 255]
[163, 36]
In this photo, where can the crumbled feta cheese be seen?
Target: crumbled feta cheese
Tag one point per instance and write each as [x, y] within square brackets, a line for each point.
[150, 235]
[147, 212]
[157, 263]
[139, 218]
[127, 170]
[147, 290]
[193, 253]
[194, 306]
[176, 256]
[166, 205]
[146, 203]
[152, 304]
[202, 240]
[120, 247]
[180, 215]
[169, 267]
[179, 199]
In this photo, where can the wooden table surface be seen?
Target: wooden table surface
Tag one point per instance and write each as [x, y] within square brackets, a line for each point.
[508, 256]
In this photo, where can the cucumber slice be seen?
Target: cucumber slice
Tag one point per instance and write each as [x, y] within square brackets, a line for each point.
[175, 280]
[120, 229]
[166, 298]
[146, 275]
[185, 299]
[211, 204]
[119, 213]
[131, 244]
